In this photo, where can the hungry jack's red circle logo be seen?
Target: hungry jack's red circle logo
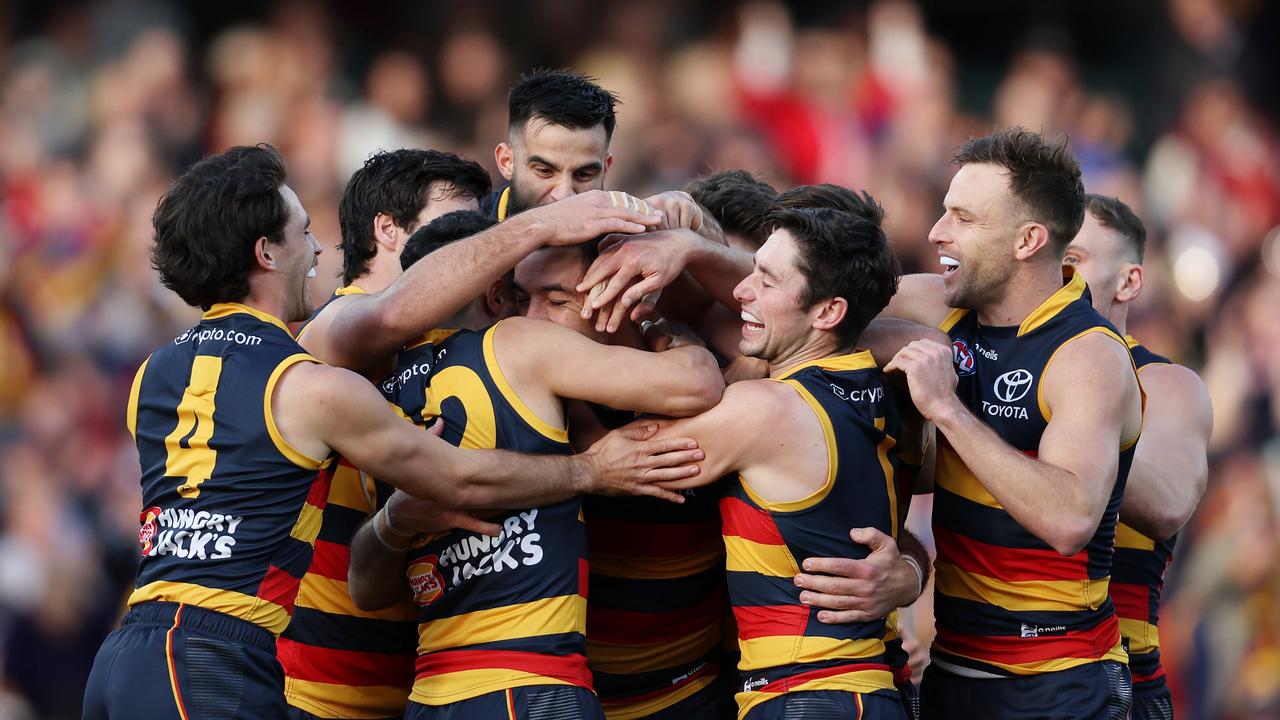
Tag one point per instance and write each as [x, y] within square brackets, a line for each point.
[425, 581]
[147, 533]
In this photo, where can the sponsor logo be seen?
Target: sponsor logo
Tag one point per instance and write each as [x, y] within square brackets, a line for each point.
[518, 545]
[187, 534]
[425, 580]
[1013, 385]
[962, 356]
[197, 335]
[403, 377]
[752, 684]
[988, 354]
[1016, 412]
[1035, 631]
[148, 531]
[871, 394]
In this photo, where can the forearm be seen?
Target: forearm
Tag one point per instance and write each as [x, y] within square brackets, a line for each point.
[375, 573]
[1159, 497]
[502, 479]
[1046, 500]
[690, 383]
[719, 269]
[910, 546]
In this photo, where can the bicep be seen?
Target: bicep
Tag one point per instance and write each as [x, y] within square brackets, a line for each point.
[919, 299]
[1177, 423]
[727, 433]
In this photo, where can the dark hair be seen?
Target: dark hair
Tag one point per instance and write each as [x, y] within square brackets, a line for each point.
[843, 255]
[738, 201]
[208, 221]
[396, 183]
[564, 98]
[834, 197]
[1043, 175]
[443, 230]
[1111, 213]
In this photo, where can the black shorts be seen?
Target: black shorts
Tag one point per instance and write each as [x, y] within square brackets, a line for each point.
[830, 705]
[181, 662]
[1152, 701]
[562, 702]
[1097, 691]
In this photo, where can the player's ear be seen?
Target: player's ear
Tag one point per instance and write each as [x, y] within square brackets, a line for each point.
[384, 231]
[1032, 239]
[608, 162]
[498, 302]
[831, 313]
[1129, 284]
[505, 157]
[262, 253]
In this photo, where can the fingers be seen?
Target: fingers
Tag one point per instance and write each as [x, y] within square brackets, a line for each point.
[604, 268]
[657, 492]
[677, 458]
[436, 427]
[676, 478]
[647, 308]
[644, 431]
[465, 521]
[666, 445]
[617, 314]
[614, 287]
[637, 292]
[838, 567]
[844, 617]
[874, 539]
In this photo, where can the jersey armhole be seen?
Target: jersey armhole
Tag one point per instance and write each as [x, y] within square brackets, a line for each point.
[295, 456]
[833, 460]
[131, 410]
[526, 413]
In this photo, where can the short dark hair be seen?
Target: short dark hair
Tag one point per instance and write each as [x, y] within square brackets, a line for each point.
[835, 197]
[396, 183]
[208, 221]
[843, 255]
[1111, 213]
[443, 230]
[1044, 175]
[739, 202]
[564, 98]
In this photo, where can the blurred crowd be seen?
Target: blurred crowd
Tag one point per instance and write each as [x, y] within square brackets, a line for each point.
[101, 105]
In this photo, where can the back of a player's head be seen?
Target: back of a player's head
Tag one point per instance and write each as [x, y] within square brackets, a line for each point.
[738, 201]
[1113, 214]
[1044, 177]
[834, 197]
[445, 229]
[397, 183]
[561, 97]
[842, 255]
[207, 223]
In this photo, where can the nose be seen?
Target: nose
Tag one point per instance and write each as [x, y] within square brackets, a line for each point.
[563, 188]
[742, 292]
[937, 233]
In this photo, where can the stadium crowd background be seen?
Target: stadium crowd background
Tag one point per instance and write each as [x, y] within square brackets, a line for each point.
[1170, 105]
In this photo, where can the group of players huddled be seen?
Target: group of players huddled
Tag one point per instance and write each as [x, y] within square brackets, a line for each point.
[557, 452]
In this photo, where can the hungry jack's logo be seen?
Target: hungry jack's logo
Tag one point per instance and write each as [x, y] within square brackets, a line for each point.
[147, 533]
[425, 581]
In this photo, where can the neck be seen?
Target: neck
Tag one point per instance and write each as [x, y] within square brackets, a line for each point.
[1025, 292]
[383, 270]
[815, 349]
[471, 317]
[1118, 315]
[266, 297]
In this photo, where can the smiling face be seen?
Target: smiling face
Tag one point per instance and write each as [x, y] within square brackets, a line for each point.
[774, 325]
[976, 236]
[296, 256]
[545, 162]
[545, 283]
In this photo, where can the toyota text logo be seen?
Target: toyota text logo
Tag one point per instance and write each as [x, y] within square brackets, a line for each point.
[1013, 385]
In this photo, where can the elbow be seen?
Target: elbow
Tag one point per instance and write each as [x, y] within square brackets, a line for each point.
[363, 600]
[1072, 534]
[702, 386]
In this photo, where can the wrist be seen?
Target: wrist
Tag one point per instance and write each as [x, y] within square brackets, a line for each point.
[390, 538]
[582, 472]
[916, 573]
[948, 413]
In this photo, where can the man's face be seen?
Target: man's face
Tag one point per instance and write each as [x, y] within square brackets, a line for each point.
[774, 325]
[544, 289]
[976, 235]
[296, 255]
[1096, 253]
[546, 162]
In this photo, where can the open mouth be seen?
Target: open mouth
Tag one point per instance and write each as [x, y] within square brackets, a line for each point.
[949, 264]
[751, 323]
[312, 272]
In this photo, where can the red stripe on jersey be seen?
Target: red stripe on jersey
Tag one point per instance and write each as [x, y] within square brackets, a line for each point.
[1009, 564]
[279, 587]
[584, 576]
[631, 627]
[1131, 601]
[319, 491]
[793, 681]
[344, 667]
[750, 523]
[1093, 643]
[330, 560]
[1139, 678]
[646, 540]
[755, 621]
[568, 668]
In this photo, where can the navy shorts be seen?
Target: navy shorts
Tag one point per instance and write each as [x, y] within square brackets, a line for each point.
[1152, 701]
[561, 702]
[181, 662]
[297, 713]
[713, 702]
[1096, 691]
[830, 705]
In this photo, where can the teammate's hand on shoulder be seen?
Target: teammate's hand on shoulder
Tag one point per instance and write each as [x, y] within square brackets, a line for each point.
[859, 590]
[589, 215]
[931, 377]
[407, 516]
[627, 462]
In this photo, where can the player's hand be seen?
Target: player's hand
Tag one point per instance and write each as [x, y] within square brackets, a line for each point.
[679, 210]
[931, 377]
[859, 590]
[665, 334]
[408, 517]
[627, 462]
[629, 270]
[587, 216]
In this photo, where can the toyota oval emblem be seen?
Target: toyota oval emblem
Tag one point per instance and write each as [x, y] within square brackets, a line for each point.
[1013, 385]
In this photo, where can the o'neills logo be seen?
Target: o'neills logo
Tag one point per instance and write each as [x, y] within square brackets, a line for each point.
[425, 581]
[148, 531]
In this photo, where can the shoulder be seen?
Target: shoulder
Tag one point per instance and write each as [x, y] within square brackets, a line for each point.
[1173, 386]
[315, 334]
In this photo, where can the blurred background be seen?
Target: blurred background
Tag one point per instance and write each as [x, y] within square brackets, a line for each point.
[1170, 104]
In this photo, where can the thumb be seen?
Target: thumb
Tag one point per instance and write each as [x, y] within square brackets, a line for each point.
[872, 538]
[638, 431]
[436, 427]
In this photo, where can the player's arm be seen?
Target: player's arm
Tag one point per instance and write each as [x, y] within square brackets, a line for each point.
[885, 336]
[317, 407]
[678, 382]
[373, 327]
[851, 590]
[1170, 465]
[919, 299]
[1060, 495]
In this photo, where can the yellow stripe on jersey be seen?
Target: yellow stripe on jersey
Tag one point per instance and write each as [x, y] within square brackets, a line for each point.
[766, 652]
[882, 454]
[620, 659]
[1071, 291]
[351, 489]
[131, 410]
[1044, 407]
[307, 528]
[463, 383]
[1143, 636]
[645, 708]
[861, 360]
[833, 458]
[743, 555]
[357, 703]
[857, 681]
[332, 596]
[221, 310]
[504, 200]
[295, 456]
[954, 476]
[1127, 537]
[195, 462]
[526, 413]
[271, 617]
[1116, 653]
[465, 684]
[665, 568]
[951, 319]
[1022, 596]
[548, 616]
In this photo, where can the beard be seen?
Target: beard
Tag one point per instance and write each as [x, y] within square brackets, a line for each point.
[516, 202]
